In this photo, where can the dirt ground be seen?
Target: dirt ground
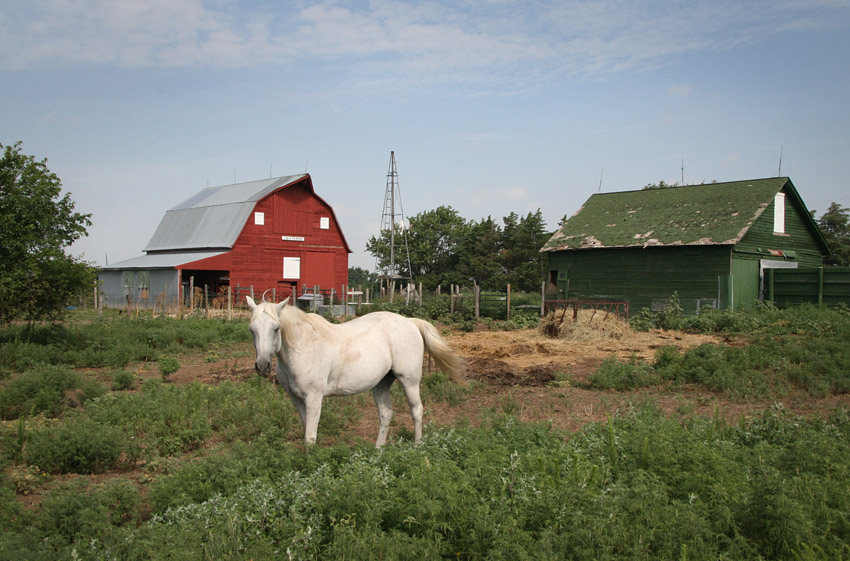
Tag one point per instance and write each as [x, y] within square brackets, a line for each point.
[537, 378]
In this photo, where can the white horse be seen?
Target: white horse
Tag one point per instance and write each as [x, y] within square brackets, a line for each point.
[316, 358]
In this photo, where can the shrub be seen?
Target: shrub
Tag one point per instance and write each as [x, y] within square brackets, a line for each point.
[90, 388]
[41, 390]
[78, 445]
[615, 375]
[669, 317]
[167, 366]
[122, 380]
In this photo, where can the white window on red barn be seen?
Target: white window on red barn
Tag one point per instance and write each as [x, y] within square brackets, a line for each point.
[292, 267]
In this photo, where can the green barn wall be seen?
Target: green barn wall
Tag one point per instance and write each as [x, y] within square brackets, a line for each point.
[798, 238]
[642, 276]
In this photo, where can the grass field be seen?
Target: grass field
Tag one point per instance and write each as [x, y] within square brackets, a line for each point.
[109, 451]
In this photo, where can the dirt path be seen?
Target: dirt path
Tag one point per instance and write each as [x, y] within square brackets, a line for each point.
[537, 378]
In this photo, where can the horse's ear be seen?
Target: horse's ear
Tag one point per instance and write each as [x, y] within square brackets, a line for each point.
[251, 303]
[279, 306]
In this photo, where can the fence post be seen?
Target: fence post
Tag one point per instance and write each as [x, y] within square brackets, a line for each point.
[477, 301]
[315, 298]
[452, 299]
[509, 302]
[420, 295]
[207, 300]
[191, 294]
[229, 305]
[820, 285]
[542, 298]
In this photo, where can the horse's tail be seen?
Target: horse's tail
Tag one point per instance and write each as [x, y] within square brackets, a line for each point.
[447, 360]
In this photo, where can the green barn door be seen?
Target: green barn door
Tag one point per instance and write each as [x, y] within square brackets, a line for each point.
[745, 283]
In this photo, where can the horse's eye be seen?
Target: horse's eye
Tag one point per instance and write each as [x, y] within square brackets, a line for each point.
[277, 328]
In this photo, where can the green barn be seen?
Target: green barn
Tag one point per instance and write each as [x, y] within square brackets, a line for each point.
[708, 243]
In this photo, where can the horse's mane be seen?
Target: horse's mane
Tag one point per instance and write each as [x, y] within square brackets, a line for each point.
[291, 316]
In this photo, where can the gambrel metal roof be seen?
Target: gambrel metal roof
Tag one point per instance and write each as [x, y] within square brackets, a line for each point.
[708, 214]
[213, 217]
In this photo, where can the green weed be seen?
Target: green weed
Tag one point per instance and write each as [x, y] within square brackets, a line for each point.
[167, 366]
[41, 390]
[122, 379]
[615, 375]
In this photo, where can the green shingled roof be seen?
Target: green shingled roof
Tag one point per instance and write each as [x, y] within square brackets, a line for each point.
[710, 214]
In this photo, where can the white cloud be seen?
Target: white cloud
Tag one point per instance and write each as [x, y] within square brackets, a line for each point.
[385, 41]
[515, 193]
[679, 90]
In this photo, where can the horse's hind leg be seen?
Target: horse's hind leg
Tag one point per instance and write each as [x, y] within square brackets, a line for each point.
[411, 392]
[381, 394]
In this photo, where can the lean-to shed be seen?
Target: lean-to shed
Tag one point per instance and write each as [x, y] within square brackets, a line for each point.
[709, 243]
[270, 234]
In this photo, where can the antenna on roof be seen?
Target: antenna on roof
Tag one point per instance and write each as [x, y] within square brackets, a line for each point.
[600, 180]
[779, 172]
[305, 165]
[234, 175]
[683, 170]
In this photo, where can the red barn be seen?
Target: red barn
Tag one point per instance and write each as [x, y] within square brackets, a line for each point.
[270, 234]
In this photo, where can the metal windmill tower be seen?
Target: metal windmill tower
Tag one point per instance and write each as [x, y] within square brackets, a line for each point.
[391, 219]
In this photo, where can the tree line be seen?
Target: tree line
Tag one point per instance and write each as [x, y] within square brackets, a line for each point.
[446, 248]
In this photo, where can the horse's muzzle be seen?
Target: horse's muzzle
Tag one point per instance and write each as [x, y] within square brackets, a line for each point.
[263, 367]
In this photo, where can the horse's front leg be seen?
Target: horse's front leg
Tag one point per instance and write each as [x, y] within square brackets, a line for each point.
[283, 380]
[313, 403]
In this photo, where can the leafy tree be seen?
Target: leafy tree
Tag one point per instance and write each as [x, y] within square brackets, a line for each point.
[445, 248]
[835, 227]
[358, 276]
[37, 279]
[433, 240]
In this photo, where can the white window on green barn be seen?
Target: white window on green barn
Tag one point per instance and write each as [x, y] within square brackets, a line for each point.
[779, 213]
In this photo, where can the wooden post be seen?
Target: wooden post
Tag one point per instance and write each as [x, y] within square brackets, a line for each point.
[820, 285]
[252, 293]
[229, 304]
[96, 307]
[420, 295]
[509, 301]
[207, 300]
[452, 299]
[191, 294]
[344, 301]
[542, 298]
[315, 297]
[274, 294]
[477, 301]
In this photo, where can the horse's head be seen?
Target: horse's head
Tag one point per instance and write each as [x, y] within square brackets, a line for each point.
[265, 329]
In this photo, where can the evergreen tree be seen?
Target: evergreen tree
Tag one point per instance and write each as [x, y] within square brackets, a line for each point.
[835, 227]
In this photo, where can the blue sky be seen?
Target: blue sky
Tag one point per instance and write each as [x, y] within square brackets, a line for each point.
[491, 106]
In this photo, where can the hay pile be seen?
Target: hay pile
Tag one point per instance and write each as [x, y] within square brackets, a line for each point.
[589, 325]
